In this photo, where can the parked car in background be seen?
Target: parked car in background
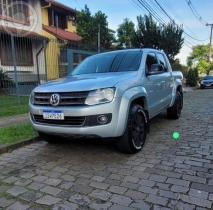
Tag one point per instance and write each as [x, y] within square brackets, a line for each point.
[207, 81]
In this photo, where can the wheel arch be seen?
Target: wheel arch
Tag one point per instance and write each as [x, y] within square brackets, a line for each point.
[180, 90]
[135, 95]
[177, 87]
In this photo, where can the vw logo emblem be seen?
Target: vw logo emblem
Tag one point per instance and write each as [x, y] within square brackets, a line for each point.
[54, 99]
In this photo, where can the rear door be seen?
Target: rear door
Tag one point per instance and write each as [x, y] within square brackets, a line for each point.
[167, 81]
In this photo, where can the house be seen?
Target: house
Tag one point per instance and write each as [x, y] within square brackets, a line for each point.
[59, 26]
[21, 30]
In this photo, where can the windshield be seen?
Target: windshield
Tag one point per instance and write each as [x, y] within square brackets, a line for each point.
[109, 62]
[208, 78]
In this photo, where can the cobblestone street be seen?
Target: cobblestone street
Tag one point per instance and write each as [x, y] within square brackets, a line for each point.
[166, 174]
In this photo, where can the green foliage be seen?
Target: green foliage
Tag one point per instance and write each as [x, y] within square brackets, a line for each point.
[171, 40]
[176, 66]
[199, 52]
[125, 33]
[192, 77]
[147, 33]
[150, 34]
[8, 105]
[87, 28]
[203, 66]
[5, 81]
[199, 58]
[11, 134]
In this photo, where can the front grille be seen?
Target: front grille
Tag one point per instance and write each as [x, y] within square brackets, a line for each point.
[68, 121]
[66, 99]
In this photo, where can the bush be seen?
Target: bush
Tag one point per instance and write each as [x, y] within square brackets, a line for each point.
[5, 81]
[192, 77]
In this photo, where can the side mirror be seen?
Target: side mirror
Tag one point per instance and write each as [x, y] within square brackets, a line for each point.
[155, 69]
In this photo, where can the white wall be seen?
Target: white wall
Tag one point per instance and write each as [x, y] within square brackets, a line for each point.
[35, 19]
[28, 73]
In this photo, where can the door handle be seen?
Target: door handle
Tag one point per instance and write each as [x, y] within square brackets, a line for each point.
[162, 82]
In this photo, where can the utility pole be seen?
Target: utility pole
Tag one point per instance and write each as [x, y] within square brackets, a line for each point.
[99, 38]
[210, 45]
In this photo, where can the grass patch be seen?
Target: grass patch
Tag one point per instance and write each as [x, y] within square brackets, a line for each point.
[9, 105]
[15, 133]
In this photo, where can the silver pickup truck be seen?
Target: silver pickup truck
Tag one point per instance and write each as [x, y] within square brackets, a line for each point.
[109, 95]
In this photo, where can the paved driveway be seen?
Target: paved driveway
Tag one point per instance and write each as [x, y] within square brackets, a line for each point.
[167, 174]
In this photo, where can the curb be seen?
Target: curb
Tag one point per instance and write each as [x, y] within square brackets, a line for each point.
[13, 146]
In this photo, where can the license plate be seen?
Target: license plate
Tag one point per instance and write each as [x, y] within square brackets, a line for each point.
[53, 115]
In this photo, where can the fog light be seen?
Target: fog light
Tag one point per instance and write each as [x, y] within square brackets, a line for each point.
[102, 119]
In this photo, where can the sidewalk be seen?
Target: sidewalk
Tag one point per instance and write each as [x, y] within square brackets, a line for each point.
[14, 120]
[187, 89]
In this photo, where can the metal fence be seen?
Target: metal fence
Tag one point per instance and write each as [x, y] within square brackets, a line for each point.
[27, 61]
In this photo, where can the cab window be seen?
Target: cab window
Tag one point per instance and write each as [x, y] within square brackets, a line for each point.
[150, 59]
[162, 60]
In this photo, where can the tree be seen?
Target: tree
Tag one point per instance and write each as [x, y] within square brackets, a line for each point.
[125, 33]
[87, 28]
[163, 37]
[199, 58]
[177, 66]
[147, 33]
[106, 37]
[192, 77]
[171, 39]
[5, 81]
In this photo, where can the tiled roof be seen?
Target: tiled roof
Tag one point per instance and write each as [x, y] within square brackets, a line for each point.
[21, 33]
[62, 34]
[61, 5]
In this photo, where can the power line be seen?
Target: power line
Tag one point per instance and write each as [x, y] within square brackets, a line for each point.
[156, 8]
[169, 6]
[136, 4]
[145, 5]
[187, 46]
[195, 12]
[164, 11]
[195, 38]
[133, 2]
[188, 42]
[78, 4]
[151, 11]
[176, 24]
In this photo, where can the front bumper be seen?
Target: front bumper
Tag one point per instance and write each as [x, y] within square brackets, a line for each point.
[87, 129]
[206, 85]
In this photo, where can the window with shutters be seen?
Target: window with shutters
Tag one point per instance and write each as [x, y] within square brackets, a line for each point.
[15, 11]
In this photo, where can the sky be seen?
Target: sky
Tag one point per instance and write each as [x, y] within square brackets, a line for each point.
[118, 10]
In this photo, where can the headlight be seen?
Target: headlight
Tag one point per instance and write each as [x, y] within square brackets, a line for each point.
[201, 82]
[100, 96]
[32, 97]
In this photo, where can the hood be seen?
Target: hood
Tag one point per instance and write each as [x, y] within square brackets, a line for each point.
[85, 82]
[207, 80]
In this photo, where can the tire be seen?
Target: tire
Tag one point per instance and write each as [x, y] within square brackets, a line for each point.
[175, 111]
[201, 87]
[47, 137]
[134, 136]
